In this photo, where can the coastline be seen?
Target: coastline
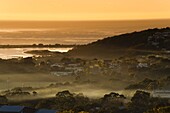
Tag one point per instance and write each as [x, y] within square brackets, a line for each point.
[37, 46]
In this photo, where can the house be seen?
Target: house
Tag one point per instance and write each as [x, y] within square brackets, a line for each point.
[74, 69]
[57, 67]
[95, 70]
[46, 111]
[142, 65]
[161, 93]
[16, 109]
[66, 70]
[122, 107]
[62, 73]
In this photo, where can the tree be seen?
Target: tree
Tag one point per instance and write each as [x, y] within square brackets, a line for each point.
[65, 100]
[34, 93]
[140, 102]
[160, 110]
[65, 93]
[141, 98]
[3, 100]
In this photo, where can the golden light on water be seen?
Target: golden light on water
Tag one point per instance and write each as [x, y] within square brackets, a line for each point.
[9, 53]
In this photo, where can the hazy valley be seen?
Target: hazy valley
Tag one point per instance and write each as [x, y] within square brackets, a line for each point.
[88, 74]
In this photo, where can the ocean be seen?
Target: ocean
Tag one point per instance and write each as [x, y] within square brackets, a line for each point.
[69, 32]
[9, 53]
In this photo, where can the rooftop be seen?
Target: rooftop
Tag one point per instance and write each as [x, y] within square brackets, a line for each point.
[46, 111]
[11, 108]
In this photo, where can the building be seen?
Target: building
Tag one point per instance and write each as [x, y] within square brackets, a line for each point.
[23, 109]
[62, 73]
[142, 65]
[161, 93]
[16, 109]
[46, 111]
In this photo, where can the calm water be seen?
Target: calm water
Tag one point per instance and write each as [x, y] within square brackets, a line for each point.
[79, 32]
[65, 32]
[9, 53]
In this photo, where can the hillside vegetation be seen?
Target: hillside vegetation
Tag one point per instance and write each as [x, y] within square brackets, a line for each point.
[143, 42]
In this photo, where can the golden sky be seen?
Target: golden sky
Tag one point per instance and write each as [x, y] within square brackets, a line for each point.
[84, 9]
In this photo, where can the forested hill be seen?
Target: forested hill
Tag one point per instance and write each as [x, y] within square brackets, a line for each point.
[147, 41]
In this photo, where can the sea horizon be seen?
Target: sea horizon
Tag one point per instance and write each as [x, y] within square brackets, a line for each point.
[69, 32]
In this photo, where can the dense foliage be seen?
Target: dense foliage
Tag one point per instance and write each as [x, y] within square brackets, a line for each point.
[67, 102]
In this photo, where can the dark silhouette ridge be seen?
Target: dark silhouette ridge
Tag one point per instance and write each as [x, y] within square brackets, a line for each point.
[135, 43]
